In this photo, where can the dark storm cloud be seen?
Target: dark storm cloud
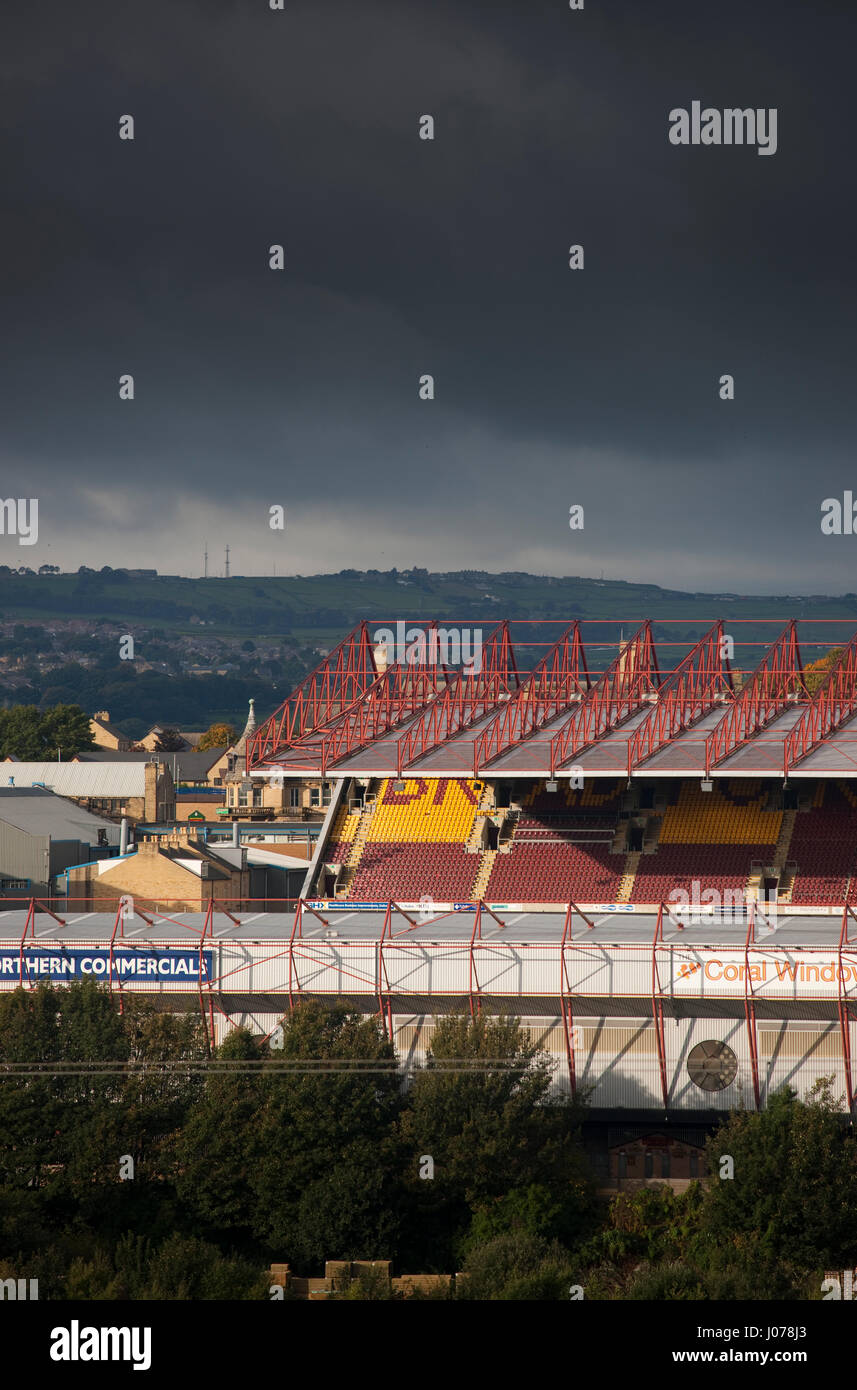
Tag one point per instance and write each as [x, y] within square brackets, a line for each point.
[450, 257]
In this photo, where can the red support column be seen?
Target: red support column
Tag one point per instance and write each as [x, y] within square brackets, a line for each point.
[29, 922]
[117, 925]
[750, 1007]
[297, 930]
[844, 1016]
[477, 931]
[382, 1009]
[205, 928]
[565, 993]
[658, 1007]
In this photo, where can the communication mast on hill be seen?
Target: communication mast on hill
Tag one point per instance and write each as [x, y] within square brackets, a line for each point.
[205, 562]
[227, 563]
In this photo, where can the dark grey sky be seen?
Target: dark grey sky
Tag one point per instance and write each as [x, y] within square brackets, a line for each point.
[448, 257]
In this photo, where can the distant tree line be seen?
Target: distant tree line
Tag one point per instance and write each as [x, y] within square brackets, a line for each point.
[137, 700]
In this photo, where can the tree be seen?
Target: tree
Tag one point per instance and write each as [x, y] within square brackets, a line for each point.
[169, 741]
[519, 1267]
[218, 1143]
[66, 727]
[818, 671]
[34, 736]
[217, 736]
[326, 1176]
[489, 1131]
[21, 733]
[791, 1207]
[180, 1268]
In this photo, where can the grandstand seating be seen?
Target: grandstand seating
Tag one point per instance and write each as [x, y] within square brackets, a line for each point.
[708, 839]
[725, 868]
[561, 847]
[415, 842]
[824, 845]
[550, 872]
[436, 811]
[729, 815]
[413, 871]
[342, 834]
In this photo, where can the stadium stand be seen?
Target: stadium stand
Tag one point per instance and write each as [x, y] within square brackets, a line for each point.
[561, 847]
[423, 839]
[710, 839]
[727, 815]
[823, 846]
[342, 835]
[415, 845]
[546, 872]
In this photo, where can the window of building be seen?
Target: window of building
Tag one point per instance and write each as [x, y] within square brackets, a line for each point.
[665, 1164]
[294, 797]
[325, 794]
[242, 796]
[650, 1164]
[314, 796]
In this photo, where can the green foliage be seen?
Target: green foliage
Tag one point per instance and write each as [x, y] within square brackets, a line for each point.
[324, 1173]
[35, 736]
[489, 1132]
[793, 1200]
[180, 1268]
[519, 1267]
[669, 1282]
[241, 1168]
[369, 1286]
[169, 741]
[219, 735]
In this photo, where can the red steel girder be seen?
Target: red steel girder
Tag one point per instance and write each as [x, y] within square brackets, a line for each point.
[842, 1003]
[616, 696]
[658, 1007]
[467, 698]
[340, 680]
[777, 677]
[546, 692]
[684, 698]
[750, 1007]
[566, 991]
[832, 705]
[404, 689]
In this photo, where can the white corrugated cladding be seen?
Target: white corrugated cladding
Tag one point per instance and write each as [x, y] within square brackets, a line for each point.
[704, 977]
[616, 1060]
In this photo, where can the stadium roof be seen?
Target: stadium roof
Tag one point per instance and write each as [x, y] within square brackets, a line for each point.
[792, 929]
[356, 715]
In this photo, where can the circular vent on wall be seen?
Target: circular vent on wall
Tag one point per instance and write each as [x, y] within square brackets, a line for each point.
[712, 1066]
